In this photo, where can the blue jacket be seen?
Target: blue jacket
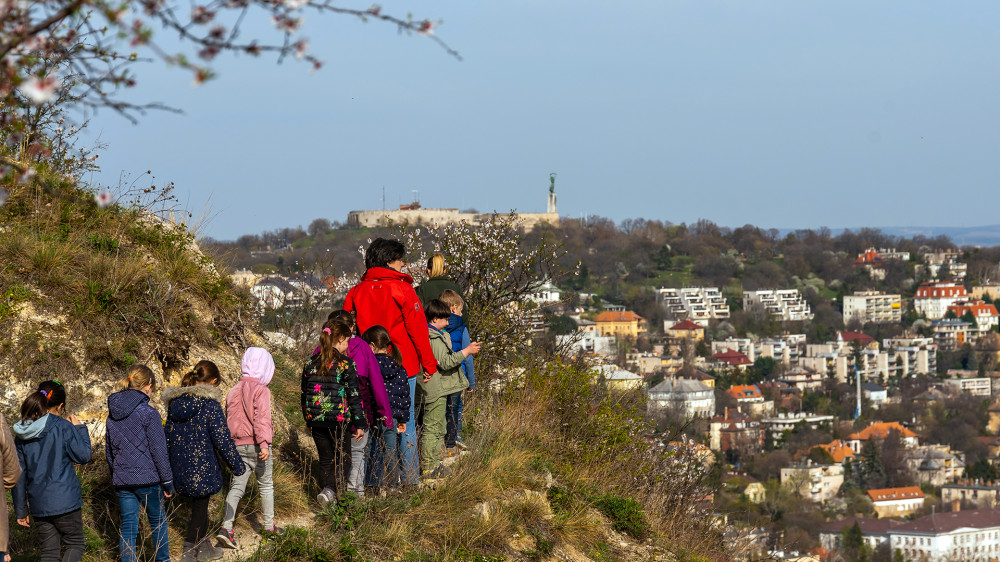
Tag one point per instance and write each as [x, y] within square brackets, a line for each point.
[135, 445]
[47, 449]
[460, 340]
[197, 435]
[397, 385]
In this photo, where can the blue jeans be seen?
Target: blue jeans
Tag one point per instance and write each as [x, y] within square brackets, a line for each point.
[382, 468]
[130, 500]
[410, 475]
[454, 417]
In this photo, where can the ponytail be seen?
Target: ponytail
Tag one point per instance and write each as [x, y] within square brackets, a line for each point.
[203, 372]
[54, 392]
[378, 336]
[333, 331]
[35, 406]
[436, 266]
[137, 377]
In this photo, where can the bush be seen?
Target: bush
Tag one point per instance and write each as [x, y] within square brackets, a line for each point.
[626, 515]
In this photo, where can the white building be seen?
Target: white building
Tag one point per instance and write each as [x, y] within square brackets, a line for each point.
[911, 354]
[936, 261]
[816, 482]
[616, 378]
[873, 307]
[782, 304]
[693, 398]
[933, 298]
[970, 536]
[875, 532]
[698, 304]
[896, 502]
[545, 293]
[589, 344]
[774, 426]
[969, 382]
[951, 333]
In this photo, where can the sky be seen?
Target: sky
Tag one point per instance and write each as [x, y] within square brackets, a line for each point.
[781, 113]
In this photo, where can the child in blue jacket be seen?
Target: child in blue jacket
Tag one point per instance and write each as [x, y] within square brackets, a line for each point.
[460, 339]
[49, 490]
[135, 447]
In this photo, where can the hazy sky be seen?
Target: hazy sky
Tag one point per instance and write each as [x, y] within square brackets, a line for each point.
[777, 113]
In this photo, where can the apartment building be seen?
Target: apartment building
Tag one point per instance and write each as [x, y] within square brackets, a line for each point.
[698, 304]
[896, 502]
[970, 536]
[933, 298]
[873, 307]
[986, 315]
[950, 333]
[974, 492]
[782, 304]
[816, 482]
[911, 354]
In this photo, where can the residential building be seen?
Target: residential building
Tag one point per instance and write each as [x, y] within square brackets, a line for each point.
[873, 307]
[875, 393]
[734, 429]
[781, 304]
[873, 262]
[980, 291]
[935, 464]
[816, 482]
[969, 382]
[839, 451]
[622, 323]
[244, 278]
[276, 292]
[875, 532]
[732, 359]
[695, 374]
[970, 536]
[892, 254]
[774, 426]
[648, 364]
[934, 297]
[879, 431]
[682, 334]
[986, 315]
[545, 293]
[692, 398]
[784, 348]
[698, 304]
[950, 333]
[936, 262]
[803, 379]
[911, 354]
[750, 399]
[616, 378]
[896, 502]
[971, 493]
[589, 344]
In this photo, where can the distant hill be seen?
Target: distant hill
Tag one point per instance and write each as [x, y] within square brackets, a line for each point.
[988, 235]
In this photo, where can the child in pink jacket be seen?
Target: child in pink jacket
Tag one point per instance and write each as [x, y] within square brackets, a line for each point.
[248, 414]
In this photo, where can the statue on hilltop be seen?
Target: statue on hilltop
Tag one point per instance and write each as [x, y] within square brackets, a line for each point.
[552, 182]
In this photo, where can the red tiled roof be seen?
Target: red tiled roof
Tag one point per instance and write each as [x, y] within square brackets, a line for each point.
[838, 450]
[863, 339]
[880, 430]
[940, 290]
[744, 391]
[686, 325]
[892, 494]
[618, 316]
[978, 308]
[870, 257]
[732, 357]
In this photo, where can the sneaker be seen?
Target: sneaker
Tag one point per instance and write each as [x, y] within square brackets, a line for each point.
[208, 551]
[274, 530]
[326, 496]
[190, 552]
[461, 445]
[227, 537]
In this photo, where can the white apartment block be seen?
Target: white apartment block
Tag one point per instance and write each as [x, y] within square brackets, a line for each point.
[911, 355]
[976, 386]
[933, 298]
[698, 304]
[970, 536]
[934, 262]
[773, 427]
[873, 307]
[783, 304]
[816, 482]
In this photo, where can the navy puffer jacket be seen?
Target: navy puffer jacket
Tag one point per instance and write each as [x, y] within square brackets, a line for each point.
[197, 436]
[135, 445]
[397, 385]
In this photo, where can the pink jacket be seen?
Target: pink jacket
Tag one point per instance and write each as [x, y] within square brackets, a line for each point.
[248, 404]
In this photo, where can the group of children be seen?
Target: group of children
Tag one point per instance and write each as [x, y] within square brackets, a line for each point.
[357, 402]
[356, 399]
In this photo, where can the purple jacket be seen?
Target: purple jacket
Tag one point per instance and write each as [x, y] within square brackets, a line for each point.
[372, 386]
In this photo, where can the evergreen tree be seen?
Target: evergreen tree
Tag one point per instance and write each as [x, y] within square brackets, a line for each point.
[872, 470]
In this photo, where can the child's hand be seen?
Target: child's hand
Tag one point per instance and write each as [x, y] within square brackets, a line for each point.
[265, 452]
[473, 349]
[73, 420]
[400, 428]
[23, 521]
[427, 377]
[358, 435]
[471, 390]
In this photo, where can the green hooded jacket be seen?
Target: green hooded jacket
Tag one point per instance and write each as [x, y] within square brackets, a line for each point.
[449, 378]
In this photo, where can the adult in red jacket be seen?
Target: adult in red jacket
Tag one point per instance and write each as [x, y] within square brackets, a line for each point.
[385, 297]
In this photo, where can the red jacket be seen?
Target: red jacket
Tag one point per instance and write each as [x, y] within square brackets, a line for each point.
[385, 297]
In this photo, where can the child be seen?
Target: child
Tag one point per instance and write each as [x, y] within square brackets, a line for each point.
[433, 390]
[385, 458]
[330, 402]
[459, 339]
[373, 397]
[47, 446]
[197, 436]
[10, 472]
[248, 413]
[136, 450]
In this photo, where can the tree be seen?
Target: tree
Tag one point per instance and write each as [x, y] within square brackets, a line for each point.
[872, 472]
[318, 227]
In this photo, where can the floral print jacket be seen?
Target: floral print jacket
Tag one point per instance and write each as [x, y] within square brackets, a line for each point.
[331, 396]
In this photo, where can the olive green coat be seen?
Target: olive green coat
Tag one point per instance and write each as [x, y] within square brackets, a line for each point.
[449, 378]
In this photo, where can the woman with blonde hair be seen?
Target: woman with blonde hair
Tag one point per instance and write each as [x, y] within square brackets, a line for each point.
[136, 451]
[437, 282]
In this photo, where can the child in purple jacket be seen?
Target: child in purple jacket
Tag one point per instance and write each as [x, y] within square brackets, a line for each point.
[374, 400]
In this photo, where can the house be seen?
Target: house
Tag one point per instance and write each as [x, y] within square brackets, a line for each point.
[971, 493]
[616, 378]
[803, 379]
[970, 382]
[648, 364]
[695, 374]
[879, 431]
[734, 430]
[698, 304]
[838, 450]
[816, 482]
[935, 262]
[774, 427]
[733, 359]
[933, 298]
[871, 261]
[693, 398]
[873, 307]
[750, 399]
[950, 333]
[986, 315]
[244, 278]
[785, 305]
[545, 293]
[620, 323]
[970, 536]
[874, 531]
[275, 292]
[746, 485]
[875, 393]
[980, 291]
[589, 344]
[684, 333]
[896, 502]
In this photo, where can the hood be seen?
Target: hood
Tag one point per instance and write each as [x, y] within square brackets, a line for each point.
[184, 402]
[438, 334]
[455, 322]
[122, 404]
[386, 274]
[32, 429]
[258, 364]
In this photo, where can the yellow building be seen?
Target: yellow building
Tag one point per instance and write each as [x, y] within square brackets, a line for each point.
[620, 323]
[686, 329]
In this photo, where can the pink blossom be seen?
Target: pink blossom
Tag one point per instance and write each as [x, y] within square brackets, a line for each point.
[426, 27]
[201, 14]
[375, 9]
[104, 199]
[301, 46]
[40, 90]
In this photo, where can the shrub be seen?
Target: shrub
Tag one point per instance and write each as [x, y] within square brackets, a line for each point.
[626, 515]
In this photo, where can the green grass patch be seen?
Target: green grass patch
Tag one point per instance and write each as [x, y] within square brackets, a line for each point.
[626, 515]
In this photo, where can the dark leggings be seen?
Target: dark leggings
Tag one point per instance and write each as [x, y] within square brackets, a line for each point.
[332, 461]
[198, 525]
[66, 529]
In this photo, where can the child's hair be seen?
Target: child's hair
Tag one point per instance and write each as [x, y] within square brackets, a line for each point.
[34, 406]
[55, 393]
[137, 377]
[333, 331]
[451, 298]
[378, 337]
[345, 317]
[204, 372]
[436, 266]
[436, 309]
[383, 251]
